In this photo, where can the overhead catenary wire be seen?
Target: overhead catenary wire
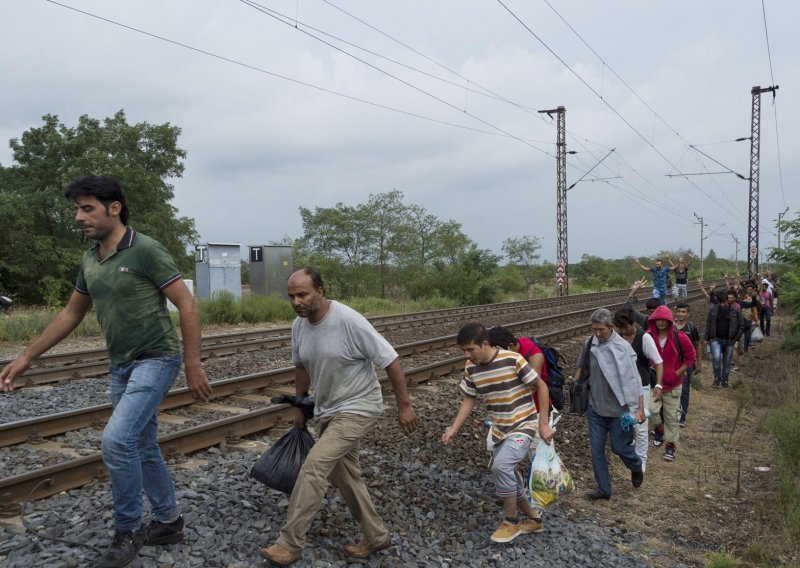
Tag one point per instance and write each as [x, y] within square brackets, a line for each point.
[609, 105]
[774, 105]
[294, 22]
[526, 108]
[267, 12]
[291, 79]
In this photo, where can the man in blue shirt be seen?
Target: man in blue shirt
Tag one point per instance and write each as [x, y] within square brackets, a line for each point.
[660, 273]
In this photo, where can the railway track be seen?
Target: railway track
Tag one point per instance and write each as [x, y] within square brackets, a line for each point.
[59, 367]
[256, 389]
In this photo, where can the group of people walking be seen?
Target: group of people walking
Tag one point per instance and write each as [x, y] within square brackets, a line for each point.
[648, 359]
[638, 363]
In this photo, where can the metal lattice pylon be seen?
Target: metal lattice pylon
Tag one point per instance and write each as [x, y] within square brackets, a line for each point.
[562, 252]
[755, 149]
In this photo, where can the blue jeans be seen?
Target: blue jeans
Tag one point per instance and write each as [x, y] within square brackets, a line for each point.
[721, 357]
[687, 386]
[660, 292]
[600, 428]
[130, 441]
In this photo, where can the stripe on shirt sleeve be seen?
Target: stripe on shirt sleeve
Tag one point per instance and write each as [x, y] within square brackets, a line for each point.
[170, 281]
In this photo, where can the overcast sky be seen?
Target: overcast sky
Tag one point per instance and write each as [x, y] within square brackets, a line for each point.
[259, 146]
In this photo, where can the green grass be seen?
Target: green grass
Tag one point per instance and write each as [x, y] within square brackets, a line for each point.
[721, 560]
[370, 306]
[26, 324]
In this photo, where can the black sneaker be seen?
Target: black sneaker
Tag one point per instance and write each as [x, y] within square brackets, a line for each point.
[717, 383]
[123, 550]
[725, 384]
[162, 533]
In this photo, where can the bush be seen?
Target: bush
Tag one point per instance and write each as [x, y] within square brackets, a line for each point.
[257, 309]
[222, 308]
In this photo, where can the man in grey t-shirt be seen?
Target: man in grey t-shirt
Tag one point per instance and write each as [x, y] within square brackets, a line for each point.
[334, 350]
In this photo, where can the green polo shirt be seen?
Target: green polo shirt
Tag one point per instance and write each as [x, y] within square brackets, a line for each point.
[126, 290]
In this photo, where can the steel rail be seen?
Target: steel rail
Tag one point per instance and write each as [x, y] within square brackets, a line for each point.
[94, 362]
[51, 480]
[33, 430]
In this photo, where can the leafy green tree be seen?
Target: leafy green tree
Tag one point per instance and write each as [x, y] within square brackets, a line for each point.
[341, 239]
[789, 289]
[40, 242]
[523, 252]
[388, 214]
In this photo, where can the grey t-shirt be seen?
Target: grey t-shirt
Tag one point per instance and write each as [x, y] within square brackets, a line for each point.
[601, 398]
[339, 354]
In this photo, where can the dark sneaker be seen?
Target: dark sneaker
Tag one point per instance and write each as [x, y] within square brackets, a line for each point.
[636, 478]
[717, 383]
[597, 495]
[725, 384]
[162, 533]
[123, 550]
[669, 452]
[658, 438]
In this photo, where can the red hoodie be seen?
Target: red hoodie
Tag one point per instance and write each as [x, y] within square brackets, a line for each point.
[669, 352]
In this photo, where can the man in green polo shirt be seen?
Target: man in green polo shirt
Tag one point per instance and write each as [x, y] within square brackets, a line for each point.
[129, 277]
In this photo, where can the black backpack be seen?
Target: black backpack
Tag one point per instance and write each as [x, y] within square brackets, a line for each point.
[555, 373]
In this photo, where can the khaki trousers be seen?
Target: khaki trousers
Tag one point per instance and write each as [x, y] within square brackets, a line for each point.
[671, 401]
[333, 458]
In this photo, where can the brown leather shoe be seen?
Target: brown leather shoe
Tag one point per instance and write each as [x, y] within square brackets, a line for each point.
[361, 550]
[279, 555]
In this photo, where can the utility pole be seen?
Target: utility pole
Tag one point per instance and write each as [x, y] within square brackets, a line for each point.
[736, 256]
[755, 149]
[780, 218]
[562, 249]
[702, 260]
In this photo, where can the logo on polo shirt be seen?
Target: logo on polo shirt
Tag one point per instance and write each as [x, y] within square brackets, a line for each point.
[122, 269]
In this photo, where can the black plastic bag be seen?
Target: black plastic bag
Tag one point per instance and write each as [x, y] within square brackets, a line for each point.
[280, 465]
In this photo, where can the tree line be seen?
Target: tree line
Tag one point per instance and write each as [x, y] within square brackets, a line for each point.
[383, 248]
[40, 244]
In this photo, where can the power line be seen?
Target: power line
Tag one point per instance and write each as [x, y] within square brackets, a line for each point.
[528, 109]
[774, 106]
[291, 79]
[294, 22]
[266, 11]
[769, 53]
[609, 105]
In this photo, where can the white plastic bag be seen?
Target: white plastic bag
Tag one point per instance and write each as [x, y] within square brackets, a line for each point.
[756, 336]
[548, 478]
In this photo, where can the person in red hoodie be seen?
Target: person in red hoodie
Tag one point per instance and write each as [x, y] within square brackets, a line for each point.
[678, 353]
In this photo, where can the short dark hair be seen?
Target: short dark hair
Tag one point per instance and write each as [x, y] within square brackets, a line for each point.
[624, 317]
[501, 337]
[682, 305]
[472, 333]
[316, 277]
[722, 295]
[105, 188]
[652, 303]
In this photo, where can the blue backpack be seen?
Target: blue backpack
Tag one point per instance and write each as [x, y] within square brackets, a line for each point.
[555, 372]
